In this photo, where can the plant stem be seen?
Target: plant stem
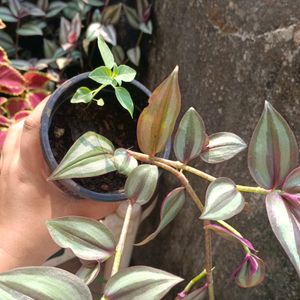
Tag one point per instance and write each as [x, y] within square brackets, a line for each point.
[122, 239]
[160, 162]
[208, 262]
[96, 91]
[181, 166]
[194, 281]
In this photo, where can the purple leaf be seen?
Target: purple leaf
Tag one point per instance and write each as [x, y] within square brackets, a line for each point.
[141, 183]
[190, 136]
[251, 272]
[292, 182]
[273, 151]
[198, 294]
[284, 217]
[222, 200]
[171, 206]
[228, 235]
[139, 282]
[221, 147]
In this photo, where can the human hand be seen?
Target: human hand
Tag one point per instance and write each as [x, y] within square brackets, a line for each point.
[27, 199]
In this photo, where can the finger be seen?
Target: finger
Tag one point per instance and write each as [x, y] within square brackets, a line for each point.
[32, 123]
[93, 209]
[30, 147]
[11, 145]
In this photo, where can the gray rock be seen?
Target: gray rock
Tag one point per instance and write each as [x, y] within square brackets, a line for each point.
[232, 56]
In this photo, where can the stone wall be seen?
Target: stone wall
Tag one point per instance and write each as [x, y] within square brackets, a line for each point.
[232, 56]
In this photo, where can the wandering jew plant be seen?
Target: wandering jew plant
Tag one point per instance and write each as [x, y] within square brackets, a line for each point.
[272, 161]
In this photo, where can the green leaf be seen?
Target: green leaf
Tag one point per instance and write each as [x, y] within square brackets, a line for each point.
[273, 150]
[40, 283]
[141, 183]
[140, 282]
[29, 29]
[157, 121]
[125, 73]
[222, 200]
[87, 238]
[124, 98]
[82, 95]
[91, 155]
[221, 147]
[88, 273]
[100, 102]
[106, 54]
[124, 162]
[102, 75]
[6, 15]
[284, 218]
[171, 206]
[190, 136]
[134, 55]
[54, 8]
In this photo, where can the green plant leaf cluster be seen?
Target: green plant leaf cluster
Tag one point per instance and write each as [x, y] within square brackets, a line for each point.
[109, 75]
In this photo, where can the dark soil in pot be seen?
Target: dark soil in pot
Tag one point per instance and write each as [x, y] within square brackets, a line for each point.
[70, 121]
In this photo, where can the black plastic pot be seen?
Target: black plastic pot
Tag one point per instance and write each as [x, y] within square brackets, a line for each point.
[62, 94]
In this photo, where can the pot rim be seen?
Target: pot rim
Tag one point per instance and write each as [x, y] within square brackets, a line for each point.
[46, 119]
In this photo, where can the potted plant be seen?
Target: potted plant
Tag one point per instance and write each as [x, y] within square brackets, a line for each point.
[272, 161]
[101, 101]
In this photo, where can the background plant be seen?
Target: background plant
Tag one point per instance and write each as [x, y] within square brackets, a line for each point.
[272, 161]
[60, 34]
[20, 93]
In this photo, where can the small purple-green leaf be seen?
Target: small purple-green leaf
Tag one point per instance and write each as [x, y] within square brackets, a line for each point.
[285, 223]
[124, 162]
[91, 155]
[222, 200]
[88, 272]
[141, 183]
[292, 182]
[190, 136]
[273, 150]
[221, 147]
[15, 7]
[228, 235]
[134, 55]
[29, 29]
[42, 283]
[87, 238]
[171, 206]
[139, 282]
[251, 272]
[198, 294]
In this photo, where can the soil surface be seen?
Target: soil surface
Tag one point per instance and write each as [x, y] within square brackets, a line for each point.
[111, 120]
